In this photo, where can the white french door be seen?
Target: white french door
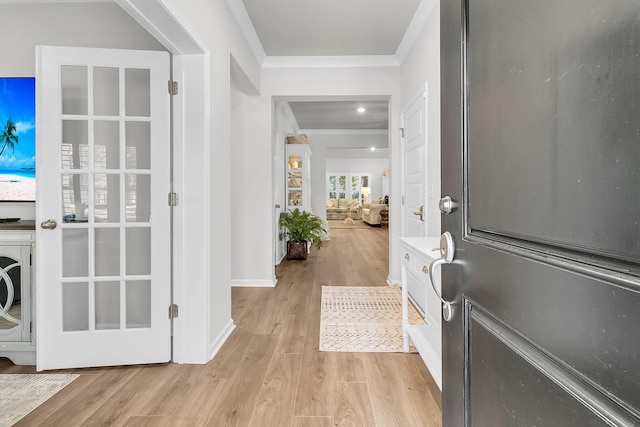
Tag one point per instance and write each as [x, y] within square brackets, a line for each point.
[103, 242]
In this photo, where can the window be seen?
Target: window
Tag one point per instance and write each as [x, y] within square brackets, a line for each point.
[346, 185]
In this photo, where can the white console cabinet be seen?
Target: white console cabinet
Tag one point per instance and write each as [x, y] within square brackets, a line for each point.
[417, 253]
[16, 297]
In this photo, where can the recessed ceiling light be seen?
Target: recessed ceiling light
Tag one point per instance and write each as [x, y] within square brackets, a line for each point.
[361, 109]
[373, 148]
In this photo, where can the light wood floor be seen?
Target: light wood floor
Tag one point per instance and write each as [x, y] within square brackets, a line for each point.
[269, 372]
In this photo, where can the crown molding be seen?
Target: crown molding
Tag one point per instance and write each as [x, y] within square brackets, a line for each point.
[358, 61]
[241, 16]
[286, 107]
[416, 26]
[344, 131]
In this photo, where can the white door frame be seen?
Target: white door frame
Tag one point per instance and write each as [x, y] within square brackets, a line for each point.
[421, 93]
[191, 218]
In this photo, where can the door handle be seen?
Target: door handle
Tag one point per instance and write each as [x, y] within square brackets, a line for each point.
[447, 205]
[420, 213]
[277, 206]
[447, 251]
[49, 224]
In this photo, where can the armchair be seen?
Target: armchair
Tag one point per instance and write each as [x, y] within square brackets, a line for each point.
[371, 212]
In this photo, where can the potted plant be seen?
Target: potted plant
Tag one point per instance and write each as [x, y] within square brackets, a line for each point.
[300, 228]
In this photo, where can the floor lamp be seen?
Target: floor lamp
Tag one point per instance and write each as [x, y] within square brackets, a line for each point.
[365, 194]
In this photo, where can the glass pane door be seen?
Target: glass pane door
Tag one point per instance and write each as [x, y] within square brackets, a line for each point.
[113, 219]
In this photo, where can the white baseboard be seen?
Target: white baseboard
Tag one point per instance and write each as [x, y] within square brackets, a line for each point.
[392, 282]
[254, 283]
[216, 345]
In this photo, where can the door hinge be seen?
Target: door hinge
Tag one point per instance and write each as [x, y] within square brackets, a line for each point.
[173, 311]
[173, 87]
[402, 132]
[173, 199]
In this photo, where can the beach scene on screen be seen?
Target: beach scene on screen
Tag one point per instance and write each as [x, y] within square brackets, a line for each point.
[17, 139]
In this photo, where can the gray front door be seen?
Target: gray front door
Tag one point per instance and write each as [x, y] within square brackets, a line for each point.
[541, 154]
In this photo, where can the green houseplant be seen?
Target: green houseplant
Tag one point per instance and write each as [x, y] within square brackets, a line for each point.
[300, 227]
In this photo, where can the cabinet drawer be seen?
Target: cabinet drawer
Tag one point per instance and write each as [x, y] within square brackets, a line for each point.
[417, 289]
[408, 259]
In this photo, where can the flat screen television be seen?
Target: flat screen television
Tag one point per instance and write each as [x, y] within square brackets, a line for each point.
[17, 139]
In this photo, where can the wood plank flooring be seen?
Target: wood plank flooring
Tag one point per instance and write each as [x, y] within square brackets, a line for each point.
[269, 372]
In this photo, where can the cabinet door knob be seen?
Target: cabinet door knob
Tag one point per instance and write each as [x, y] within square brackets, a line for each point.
[407, 257]
[425, 269]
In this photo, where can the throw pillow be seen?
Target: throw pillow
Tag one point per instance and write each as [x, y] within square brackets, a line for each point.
[328, 203]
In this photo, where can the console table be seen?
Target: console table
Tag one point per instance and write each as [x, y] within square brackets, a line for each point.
[17, 242]
[417, 254]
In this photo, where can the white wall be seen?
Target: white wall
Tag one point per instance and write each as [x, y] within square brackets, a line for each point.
[215, 28]
[251, 195]
[24, 26]
[420, 67]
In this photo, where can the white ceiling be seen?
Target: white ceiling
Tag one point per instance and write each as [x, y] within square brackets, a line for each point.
[371, 31]
[330, 27]
[342, 115]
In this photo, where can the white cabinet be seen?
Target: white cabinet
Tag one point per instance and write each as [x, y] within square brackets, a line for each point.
[417, 253]
[16, 297]
[298, 179]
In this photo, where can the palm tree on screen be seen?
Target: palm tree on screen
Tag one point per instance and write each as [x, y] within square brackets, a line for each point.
[8, 138]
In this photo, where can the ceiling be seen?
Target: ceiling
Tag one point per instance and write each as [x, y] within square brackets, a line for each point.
[330, 27]
[299, 29]
[342, 115]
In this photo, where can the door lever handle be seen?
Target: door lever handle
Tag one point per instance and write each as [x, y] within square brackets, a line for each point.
[447, 250]
[420, 213]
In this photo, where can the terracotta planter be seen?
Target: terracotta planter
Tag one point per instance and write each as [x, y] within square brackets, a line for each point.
[296, 250]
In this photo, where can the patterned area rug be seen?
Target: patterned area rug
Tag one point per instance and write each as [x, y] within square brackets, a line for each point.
[22, 393]
[363, 319]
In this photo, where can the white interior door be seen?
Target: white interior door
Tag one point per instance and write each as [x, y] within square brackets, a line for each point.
[415, 167]
[103, 157]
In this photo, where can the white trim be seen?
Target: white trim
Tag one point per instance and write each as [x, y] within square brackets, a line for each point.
[418, 23]
[393, 282]
[241, 16]
[361, 61]
[344, 131]
[192, 247]
[160, 19]
[216, 344]
[257, 283]
[286, 109]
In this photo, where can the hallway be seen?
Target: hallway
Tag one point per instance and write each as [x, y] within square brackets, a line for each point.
[269, 372]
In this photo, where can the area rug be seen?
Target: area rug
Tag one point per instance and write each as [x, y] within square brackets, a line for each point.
[363, 319]
[339, 223]
[22, 393]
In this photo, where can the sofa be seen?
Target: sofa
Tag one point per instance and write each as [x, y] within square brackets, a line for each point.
[338, 208]
[371, 211]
